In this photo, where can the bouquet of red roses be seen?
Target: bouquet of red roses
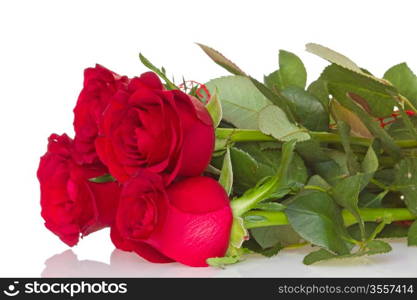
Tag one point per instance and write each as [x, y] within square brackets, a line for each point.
[202, 174]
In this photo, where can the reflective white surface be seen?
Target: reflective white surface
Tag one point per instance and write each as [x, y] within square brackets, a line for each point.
[45, 45]
[401, 262]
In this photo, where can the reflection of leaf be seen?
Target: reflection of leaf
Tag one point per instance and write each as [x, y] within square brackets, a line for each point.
[240, 99]
[373, 247]
[291, 73]
[273, 121]
[317, 219]
[221, 60]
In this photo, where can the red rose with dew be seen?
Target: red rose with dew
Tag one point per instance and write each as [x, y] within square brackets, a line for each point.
[187, 222]
[100, 84]
[71, 204]
[146, 127]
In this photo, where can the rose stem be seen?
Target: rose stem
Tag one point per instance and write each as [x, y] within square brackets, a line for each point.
[251, 135]
[274, 218]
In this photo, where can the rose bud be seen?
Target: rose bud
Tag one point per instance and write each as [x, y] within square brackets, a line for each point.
[71, 204]
[149, 128]
[100, 84]
[188, 222]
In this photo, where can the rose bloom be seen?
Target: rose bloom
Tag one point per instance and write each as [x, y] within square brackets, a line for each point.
[71, 204]
[188, 222]
[149, 128]
[100, 84]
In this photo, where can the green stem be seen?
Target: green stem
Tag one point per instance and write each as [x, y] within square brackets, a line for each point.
[252, 135]
[274, 218]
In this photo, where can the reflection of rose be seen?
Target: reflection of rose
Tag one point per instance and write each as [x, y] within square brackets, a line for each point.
[188, 222]
[149, 128]
[71, 204]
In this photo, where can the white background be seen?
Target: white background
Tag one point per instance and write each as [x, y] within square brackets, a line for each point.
[45, 45]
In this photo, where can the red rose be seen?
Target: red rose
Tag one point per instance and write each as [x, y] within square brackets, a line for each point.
[71, 204]
[150, 128]
[100, 84]
[188, 222]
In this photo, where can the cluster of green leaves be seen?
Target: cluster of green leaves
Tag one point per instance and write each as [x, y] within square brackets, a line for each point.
[326, 180]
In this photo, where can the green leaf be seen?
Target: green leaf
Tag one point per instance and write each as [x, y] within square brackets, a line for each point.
[272, 251]
[317, 256]
[373, 247]
[221, 60]
[269, 236]
[221, 262]
[247, 171]
[357, 127]
[319, 90]
[238, 233]
[408, 123]
[412, 235]
[400, 131]
[351, 159]
[240, 99]
[255, 161]
[406, 181]
[307, 109]
[316, 218]
[226, 175]
[266, 187]
[214, 108]
[393, 231]
[329, 164]
[370, 162]
[367, 199]
[275, 97]
[273, 121]
[291, 73]
[317, 180]
[333, 57]
[377, 247]
[346, 193]
[404, 80]
[372, 95]
[389, 231]
[341, 94]
[161, 72]
[252, 245]
[253, 218]
[102, 179]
